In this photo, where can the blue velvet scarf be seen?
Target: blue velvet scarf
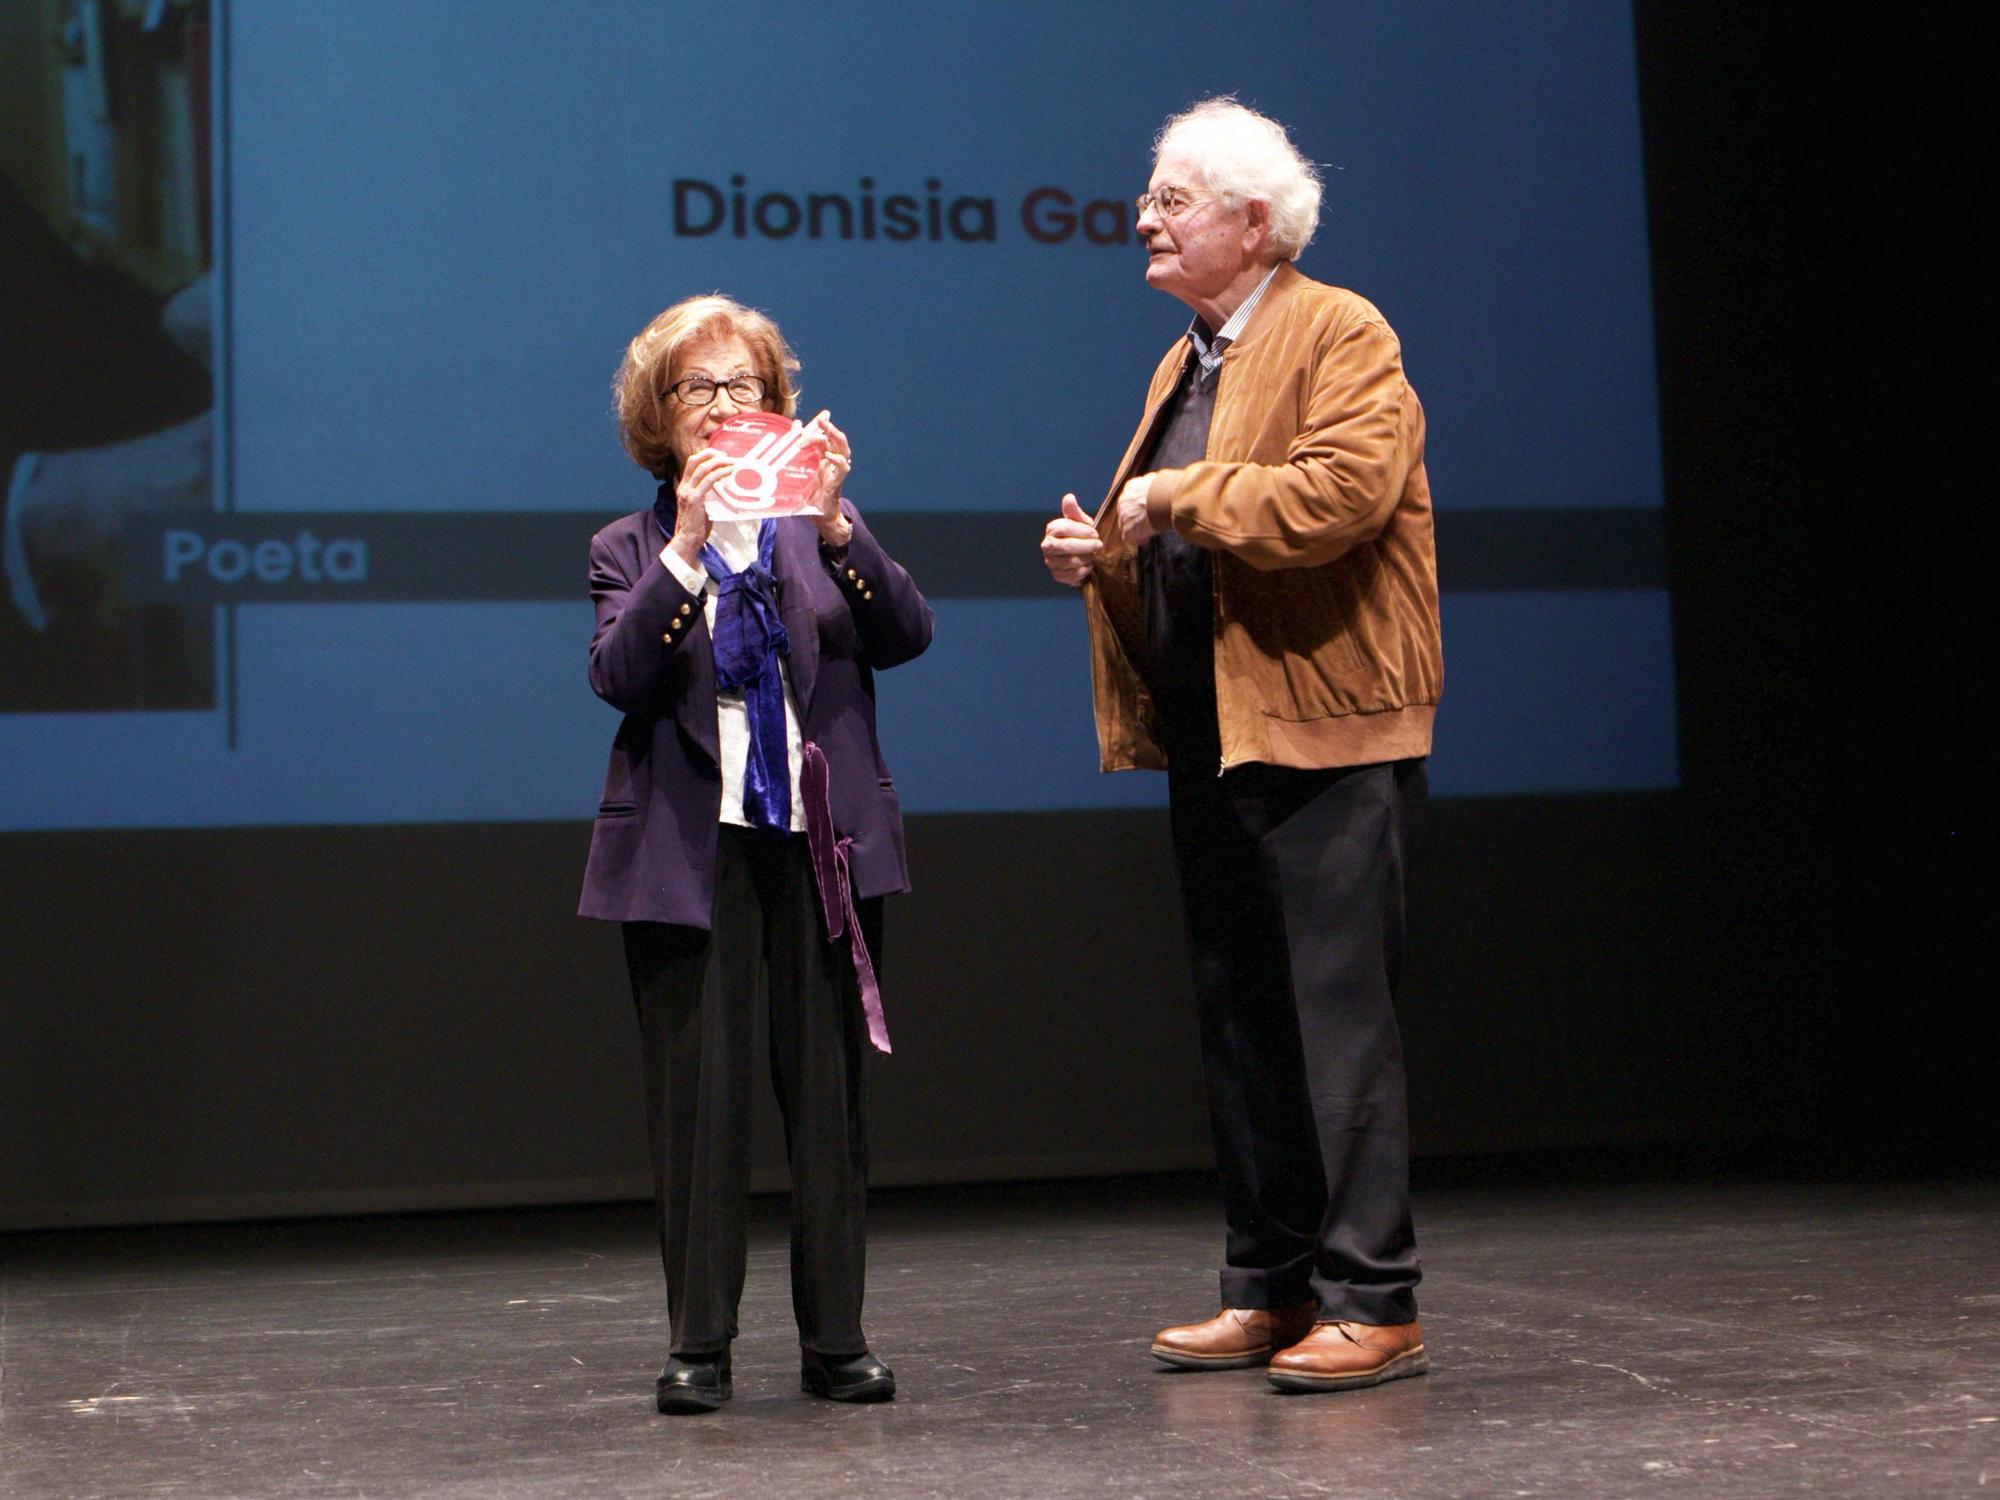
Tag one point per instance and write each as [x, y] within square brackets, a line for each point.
[749, 638]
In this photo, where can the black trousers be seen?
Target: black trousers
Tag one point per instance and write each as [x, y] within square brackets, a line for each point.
[697, 995]
[1292, 885]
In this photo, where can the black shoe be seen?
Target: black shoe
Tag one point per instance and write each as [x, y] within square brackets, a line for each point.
[858, 1377]
[698, 1383]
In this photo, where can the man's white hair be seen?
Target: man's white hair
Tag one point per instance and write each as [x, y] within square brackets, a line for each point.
[1243, 157]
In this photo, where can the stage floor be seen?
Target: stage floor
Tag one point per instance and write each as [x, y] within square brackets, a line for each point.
[1667, 1337]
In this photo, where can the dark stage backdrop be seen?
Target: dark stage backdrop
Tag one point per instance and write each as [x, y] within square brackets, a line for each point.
[292, 845]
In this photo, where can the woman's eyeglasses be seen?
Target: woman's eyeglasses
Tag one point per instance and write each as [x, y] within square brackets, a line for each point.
[699, 390]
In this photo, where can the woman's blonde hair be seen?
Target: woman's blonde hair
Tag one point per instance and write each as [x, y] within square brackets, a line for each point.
[639, 389]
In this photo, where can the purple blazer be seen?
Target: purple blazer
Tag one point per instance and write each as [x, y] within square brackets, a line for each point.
[652, 852]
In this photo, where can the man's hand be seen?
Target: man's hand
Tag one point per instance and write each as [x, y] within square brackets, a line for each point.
[66, 513]
[1134, 524]
[1070, 544]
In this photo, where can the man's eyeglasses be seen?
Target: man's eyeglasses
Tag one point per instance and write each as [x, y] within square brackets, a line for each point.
[699, 390]
[1171, 201]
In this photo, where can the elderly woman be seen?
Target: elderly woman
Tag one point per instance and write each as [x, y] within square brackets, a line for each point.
[748, 830]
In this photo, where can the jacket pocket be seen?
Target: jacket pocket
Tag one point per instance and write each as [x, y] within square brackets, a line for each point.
[617, 809]
[1305, 653]
[891, 803]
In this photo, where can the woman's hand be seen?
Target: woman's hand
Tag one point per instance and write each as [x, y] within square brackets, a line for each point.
[834, 528]
[698, 477]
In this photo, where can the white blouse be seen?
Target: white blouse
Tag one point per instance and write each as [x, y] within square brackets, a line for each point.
[737, 542]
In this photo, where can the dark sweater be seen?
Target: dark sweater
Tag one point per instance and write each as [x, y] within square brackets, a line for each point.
[1176, 585]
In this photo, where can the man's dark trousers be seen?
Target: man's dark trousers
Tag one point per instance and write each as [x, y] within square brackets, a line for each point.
[1292, 885]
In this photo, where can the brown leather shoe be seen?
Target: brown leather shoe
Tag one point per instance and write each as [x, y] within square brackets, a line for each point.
[1235, 1338]
[1341, 1356]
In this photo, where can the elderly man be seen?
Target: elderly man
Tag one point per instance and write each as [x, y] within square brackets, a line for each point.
[1261, 588]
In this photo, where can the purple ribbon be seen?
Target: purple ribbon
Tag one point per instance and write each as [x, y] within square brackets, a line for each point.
[836, 886]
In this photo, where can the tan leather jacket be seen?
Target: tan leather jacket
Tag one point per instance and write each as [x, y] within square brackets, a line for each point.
[1315, 507]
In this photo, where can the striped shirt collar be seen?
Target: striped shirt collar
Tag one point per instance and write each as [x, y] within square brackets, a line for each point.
[1210, 352]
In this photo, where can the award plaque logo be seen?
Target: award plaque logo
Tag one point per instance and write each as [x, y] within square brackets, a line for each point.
[776, 469]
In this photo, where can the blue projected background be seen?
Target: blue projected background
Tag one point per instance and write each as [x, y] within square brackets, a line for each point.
[439, 224]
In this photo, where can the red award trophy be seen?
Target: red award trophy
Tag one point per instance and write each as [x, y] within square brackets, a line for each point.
[776, 469]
